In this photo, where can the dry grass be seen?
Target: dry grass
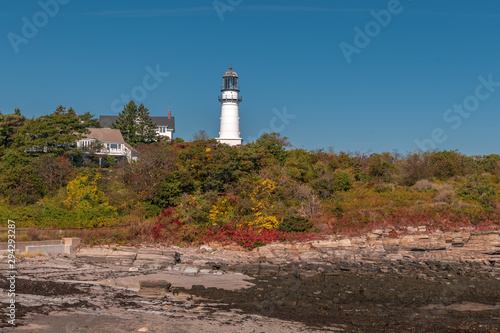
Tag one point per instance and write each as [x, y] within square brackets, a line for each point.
[16, 255]
[31, 254]
[424, 185]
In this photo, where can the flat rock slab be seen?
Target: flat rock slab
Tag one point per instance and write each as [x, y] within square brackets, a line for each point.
[177, 279]
[153, 257]
[122, 254]
[464, 306]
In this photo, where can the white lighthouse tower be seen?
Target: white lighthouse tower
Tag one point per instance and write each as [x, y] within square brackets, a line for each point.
[229, 119]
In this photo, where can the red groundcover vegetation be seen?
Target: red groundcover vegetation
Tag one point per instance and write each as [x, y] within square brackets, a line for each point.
[170, 229]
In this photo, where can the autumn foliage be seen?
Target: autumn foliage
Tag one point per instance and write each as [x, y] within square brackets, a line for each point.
[205, 192]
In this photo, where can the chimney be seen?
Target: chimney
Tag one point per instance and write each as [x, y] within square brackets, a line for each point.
[169, 114]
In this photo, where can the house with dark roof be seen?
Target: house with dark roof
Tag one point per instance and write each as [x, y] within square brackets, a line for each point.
[165, 126]
[107, 142]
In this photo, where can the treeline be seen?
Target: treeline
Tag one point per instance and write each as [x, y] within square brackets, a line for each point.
[201, 187]
[39, 155]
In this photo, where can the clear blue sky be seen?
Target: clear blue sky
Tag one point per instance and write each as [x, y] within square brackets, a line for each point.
[395, 90]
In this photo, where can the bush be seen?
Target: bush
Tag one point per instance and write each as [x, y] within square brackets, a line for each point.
[424, 185]
[479, 189]
[447, 164]
[413, 167]
[195, 209]
[381, 166]
[150, 210]
[342, 180]
[445, 194]
[295, 223]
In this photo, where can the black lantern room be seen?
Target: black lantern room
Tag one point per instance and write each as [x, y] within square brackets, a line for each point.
[230, 80]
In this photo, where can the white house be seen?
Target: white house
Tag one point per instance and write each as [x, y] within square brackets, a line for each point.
[165, 126]
[107, 141]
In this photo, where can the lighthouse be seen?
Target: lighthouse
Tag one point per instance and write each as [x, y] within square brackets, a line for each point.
[229, 119]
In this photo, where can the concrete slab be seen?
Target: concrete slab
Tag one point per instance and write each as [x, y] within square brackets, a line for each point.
[51, 249]
[21, 246]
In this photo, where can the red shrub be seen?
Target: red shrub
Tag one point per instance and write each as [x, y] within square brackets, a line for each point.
[251, 237]
[165, 221]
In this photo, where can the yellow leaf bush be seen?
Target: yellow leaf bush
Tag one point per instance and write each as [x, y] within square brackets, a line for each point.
[90, 204]
[262, 205]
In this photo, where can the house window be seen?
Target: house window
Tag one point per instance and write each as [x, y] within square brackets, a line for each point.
[114, 146]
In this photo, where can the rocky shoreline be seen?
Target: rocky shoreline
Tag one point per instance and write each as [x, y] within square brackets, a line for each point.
[379, 282]
[377, 249]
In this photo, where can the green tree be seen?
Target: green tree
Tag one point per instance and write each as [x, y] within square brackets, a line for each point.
[9, 126]
[300, 165]
[56, 133]
[135, 124]
[490, 163]
[414, 167]
[88, 119]
[447, 164]
[126, 122]
[146, 129]
[274, 145]
[53, 171]
[19, 184]
[342, 180]
[148, 176]
[381, 166]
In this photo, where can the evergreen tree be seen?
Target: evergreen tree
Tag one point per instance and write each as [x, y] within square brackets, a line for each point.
[146, 129]
[126, 122]
[62, 110]
[9, 126]
[56, 133]
[135, 124]
[88, 119]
